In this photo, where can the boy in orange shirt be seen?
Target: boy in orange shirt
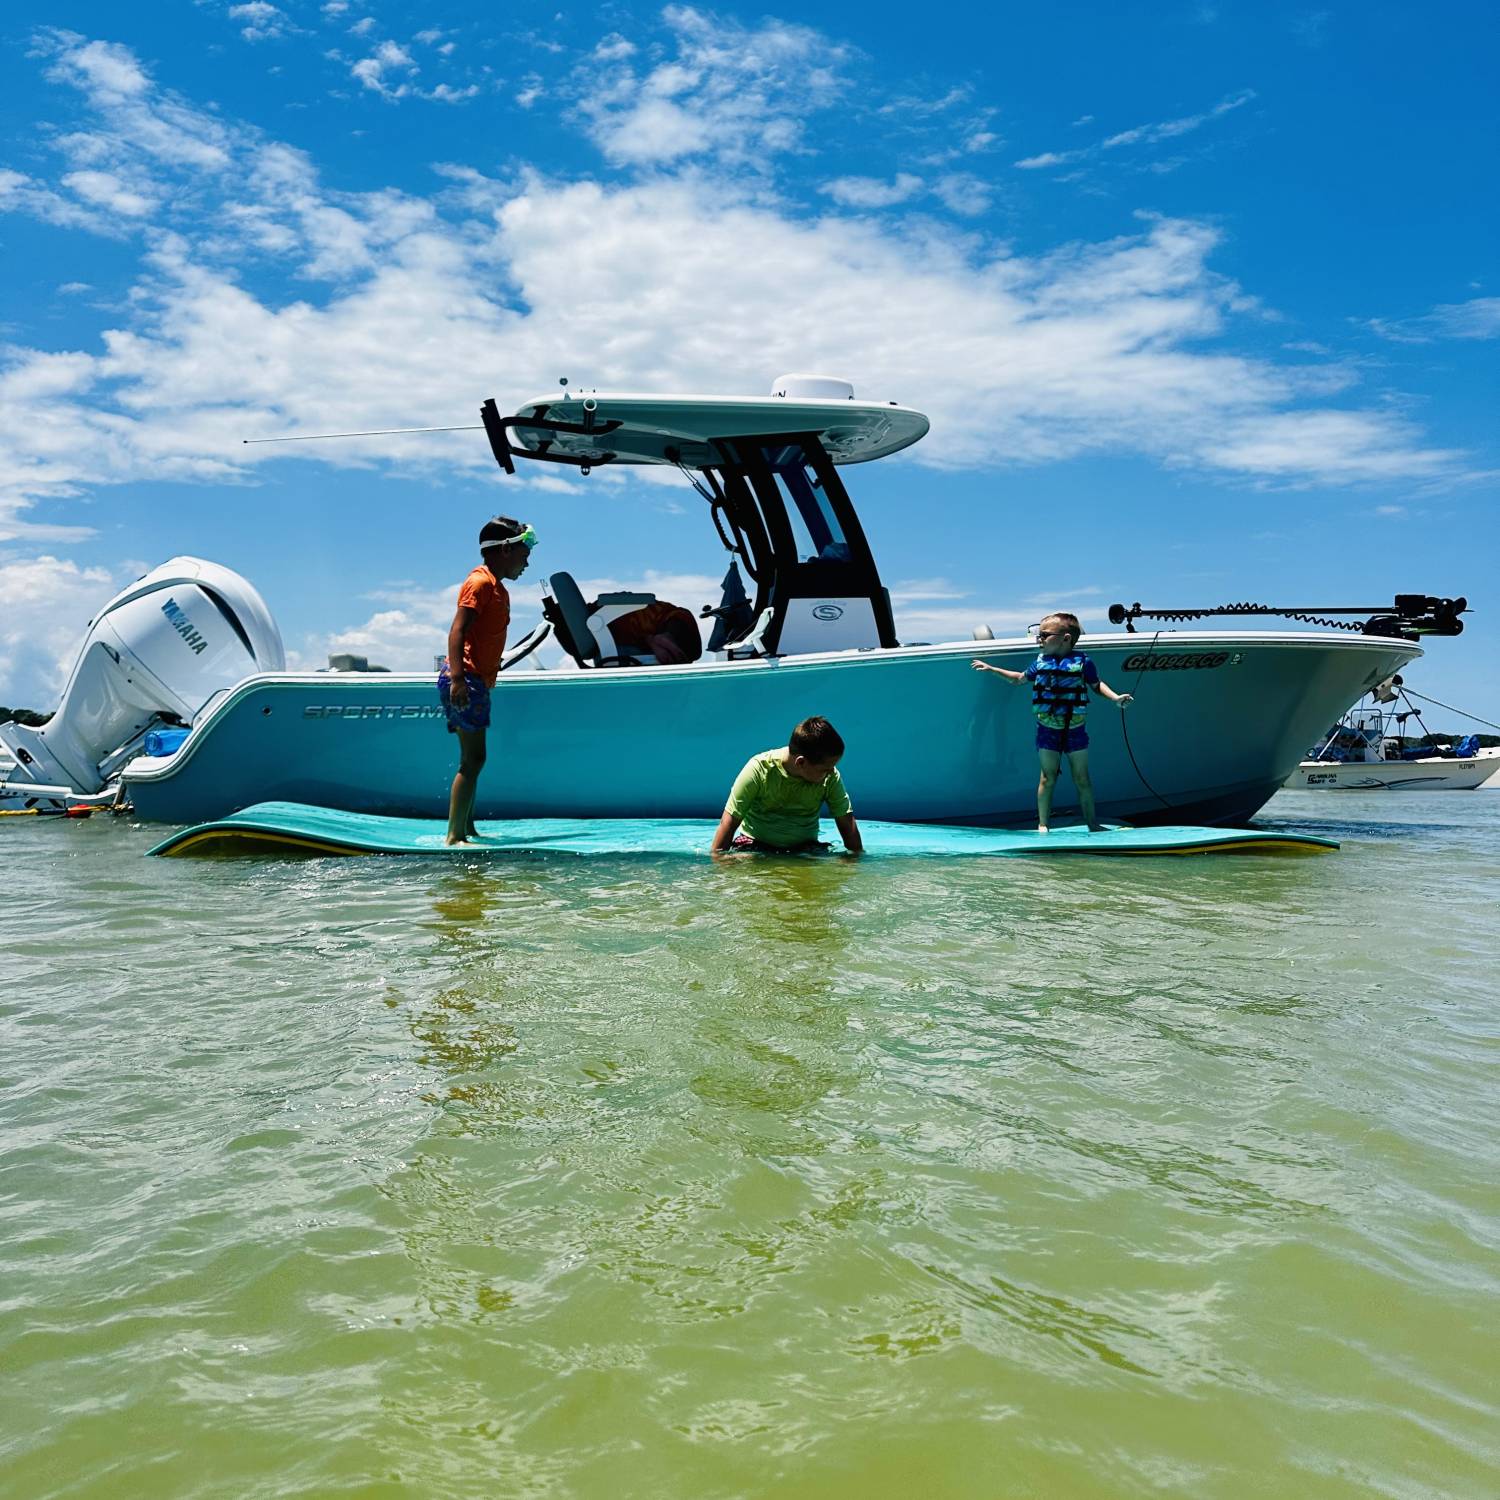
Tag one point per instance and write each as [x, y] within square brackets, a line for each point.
[476, 639]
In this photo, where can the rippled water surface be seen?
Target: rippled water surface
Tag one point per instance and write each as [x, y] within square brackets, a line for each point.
[560, 1177]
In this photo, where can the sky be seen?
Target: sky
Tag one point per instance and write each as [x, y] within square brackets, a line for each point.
[1202, 299]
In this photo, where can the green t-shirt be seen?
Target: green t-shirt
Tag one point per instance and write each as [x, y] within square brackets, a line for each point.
[774, 807]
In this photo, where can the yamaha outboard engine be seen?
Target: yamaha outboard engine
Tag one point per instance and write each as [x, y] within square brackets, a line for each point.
[155, 654]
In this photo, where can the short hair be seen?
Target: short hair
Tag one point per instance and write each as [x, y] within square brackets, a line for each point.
[499, 531]
[817, 740]
[1067, 621]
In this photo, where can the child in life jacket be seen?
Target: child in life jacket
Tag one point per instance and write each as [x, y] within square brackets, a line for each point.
[1061, 679]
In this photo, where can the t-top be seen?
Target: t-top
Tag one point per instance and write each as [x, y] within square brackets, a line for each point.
[484, 642]
[1060, 688]
[774, 807]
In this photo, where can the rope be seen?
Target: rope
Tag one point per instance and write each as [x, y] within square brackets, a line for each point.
[1125, 729]
[1450, 708]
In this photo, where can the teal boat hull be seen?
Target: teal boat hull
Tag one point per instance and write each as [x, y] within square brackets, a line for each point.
[1218, 723]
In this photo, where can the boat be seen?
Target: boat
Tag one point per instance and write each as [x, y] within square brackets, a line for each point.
[803, 626]
[1367, 751]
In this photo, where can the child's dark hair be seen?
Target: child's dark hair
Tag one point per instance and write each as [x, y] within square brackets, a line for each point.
[1067, 621]
[817, 740]
[686, 635]
[499, 531]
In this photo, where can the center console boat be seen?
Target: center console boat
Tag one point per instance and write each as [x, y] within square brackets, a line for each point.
[804, 626]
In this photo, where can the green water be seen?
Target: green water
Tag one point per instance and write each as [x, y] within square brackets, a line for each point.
[1170, 1177]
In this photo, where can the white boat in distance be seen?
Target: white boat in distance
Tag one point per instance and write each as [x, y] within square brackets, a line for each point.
[1366, 752]
[929, 739]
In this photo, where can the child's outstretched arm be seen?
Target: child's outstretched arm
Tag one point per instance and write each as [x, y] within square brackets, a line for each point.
[729, 825]
[1106, 691]
[1005, 672]
[849, 832]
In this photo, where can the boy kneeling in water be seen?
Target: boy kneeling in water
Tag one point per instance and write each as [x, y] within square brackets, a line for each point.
[1061, 679]
[780, 793]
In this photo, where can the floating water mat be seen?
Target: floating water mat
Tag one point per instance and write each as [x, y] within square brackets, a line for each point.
[293, 827]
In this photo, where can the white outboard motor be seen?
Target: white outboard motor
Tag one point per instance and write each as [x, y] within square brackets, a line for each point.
[156, 653]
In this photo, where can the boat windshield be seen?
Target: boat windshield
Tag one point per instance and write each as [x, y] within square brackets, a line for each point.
[815, 525]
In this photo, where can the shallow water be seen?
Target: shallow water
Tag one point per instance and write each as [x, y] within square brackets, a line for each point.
[564, 1177]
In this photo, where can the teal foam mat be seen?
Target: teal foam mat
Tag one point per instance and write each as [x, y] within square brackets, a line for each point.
[294, 827]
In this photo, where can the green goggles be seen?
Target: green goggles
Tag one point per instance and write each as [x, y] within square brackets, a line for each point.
[527, 538]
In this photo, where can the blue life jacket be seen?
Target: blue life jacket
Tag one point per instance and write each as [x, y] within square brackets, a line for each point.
[1060, 686]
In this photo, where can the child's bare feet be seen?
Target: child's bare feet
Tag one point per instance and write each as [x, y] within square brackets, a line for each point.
[1042, 828]
[1096, 828]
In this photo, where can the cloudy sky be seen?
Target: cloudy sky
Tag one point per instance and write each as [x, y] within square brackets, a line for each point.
[1202, 298]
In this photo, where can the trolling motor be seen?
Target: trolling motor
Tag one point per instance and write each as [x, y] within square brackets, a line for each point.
[1408, 618]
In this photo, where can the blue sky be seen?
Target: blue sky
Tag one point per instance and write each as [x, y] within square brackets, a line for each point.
[1202, 299]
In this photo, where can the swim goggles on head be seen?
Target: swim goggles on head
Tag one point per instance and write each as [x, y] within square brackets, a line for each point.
[526, 536]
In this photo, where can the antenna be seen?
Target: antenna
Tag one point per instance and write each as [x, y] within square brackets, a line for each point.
[318, 437]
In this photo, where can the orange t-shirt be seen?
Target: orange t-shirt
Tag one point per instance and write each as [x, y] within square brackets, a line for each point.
[633, 632]
[484, 641]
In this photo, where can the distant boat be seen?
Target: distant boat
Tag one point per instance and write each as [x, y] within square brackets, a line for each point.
[1366, 751]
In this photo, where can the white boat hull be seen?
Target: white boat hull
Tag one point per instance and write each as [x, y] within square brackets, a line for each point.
[929, 739]
[1434, 775]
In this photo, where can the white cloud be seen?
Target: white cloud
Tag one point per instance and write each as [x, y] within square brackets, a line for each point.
[613, 48]
[1357, 446]
[1169, 129]
[732, 93]
[262, 21]
[1478, 318]
[1090, 349]
[962, 193]
[105, 190]
[872, 192]
[1164, 130]
[375, 71]
[1050, 159]
[45, 606]
[135, 115]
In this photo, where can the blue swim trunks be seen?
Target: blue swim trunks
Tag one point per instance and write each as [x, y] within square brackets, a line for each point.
[475, 714]
[1064, 741]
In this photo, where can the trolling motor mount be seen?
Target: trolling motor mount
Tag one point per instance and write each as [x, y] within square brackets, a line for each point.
[1409, 617]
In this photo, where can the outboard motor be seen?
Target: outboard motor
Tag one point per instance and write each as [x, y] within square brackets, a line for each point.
[155, 654]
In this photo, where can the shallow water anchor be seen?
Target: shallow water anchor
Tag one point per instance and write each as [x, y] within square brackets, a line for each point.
[281, 828]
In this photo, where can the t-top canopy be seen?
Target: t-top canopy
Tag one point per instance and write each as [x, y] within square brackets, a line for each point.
[602, 427]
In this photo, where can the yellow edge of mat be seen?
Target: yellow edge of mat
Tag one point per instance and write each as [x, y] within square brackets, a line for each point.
[1234, 846]
[258, 836]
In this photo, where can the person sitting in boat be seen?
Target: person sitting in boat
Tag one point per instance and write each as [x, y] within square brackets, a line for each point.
[1061, 679]
[779, 795]
[476, 642]
[666, 630]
